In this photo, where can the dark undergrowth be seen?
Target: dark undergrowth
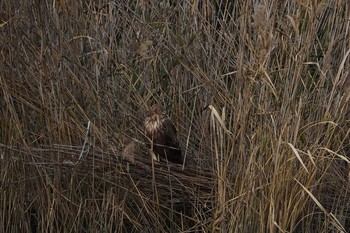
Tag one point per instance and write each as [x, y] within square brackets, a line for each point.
[258, 91]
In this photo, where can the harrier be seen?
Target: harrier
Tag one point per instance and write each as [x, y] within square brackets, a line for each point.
[161, 132]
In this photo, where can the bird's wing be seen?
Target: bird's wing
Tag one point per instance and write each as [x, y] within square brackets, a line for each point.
[170, 132]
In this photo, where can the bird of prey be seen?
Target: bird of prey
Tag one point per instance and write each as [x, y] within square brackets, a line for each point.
[162, 136]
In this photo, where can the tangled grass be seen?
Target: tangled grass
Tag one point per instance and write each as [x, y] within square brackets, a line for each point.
[258, 90]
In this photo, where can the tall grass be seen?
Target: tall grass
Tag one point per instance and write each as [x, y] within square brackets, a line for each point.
[258, 90]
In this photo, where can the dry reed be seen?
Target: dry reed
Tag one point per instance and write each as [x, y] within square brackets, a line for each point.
[259, 93]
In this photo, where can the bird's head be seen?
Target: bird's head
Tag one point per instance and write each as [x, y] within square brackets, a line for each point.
[156, 109]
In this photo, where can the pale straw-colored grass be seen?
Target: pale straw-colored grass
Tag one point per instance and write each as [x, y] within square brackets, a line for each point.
[258, 91]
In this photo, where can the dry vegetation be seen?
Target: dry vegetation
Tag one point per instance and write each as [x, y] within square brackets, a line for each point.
[259, 93]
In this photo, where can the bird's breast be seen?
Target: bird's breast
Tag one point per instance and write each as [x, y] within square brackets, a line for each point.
[154, 124]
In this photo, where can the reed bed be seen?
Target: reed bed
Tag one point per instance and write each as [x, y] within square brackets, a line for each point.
[258, 91]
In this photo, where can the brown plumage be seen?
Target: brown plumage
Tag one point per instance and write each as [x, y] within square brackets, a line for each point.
[161, 132]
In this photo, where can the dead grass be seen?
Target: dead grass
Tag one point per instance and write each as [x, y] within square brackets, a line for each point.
[259, 93]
